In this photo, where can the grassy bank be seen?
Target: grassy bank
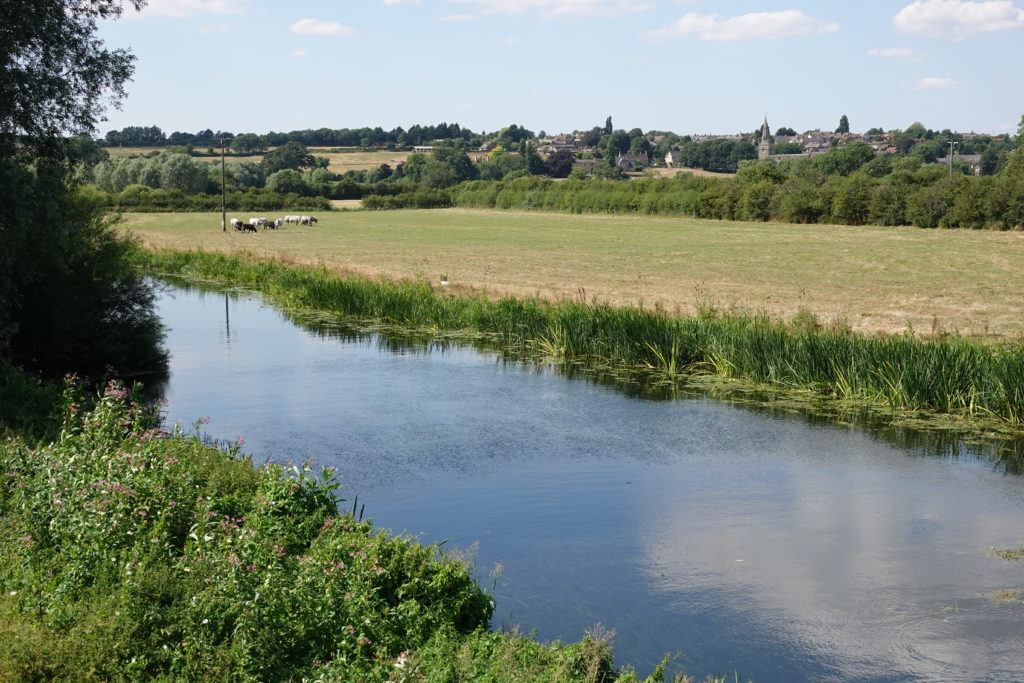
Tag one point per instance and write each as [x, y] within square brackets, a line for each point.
[877, 279]
[946, 375]
[129, 554]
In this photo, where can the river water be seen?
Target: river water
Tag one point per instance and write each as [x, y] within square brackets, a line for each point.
[766, 546]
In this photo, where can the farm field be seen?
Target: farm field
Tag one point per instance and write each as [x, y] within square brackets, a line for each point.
[876, 279]
[349, 160]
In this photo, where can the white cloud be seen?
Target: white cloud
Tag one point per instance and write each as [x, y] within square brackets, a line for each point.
[783, 24]
[511, 41]
[898, 54]
[958, 19]
[933, 83]
[187, 8]
[556, 8]
[317, 27]
[299, 53]
[461, 17]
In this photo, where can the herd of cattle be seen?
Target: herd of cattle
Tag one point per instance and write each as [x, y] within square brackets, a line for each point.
[255, 223]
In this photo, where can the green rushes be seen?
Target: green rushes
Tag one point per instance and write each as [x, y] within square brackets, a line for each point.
[949, 374]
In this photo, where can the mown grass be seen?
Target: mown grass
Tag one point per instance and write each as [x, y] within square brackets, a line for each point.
[878, 279]
[130, 554]
[948, 375]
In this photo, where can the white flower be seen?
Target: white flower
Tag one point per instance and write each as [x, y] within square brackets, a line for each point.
[206, 621]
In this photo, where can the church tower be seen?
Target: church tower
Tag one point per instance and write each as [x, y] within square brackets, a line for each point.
[767, 145]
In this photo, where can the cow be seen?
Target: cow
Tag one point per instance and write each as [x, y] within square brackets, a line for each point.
[278, 223]
[292, 219]
[236, 224]
[308, 220]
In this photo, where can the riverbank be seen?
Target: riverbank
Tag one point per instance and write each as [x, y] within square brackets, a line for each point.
[127, 553]
[947, 382]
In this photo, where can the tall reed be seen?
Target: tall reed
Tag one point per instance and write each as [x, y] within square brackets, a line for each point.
[949, 375]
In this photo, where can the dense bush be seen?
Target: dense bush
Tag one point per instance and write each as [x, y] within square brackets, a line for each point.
[420, 199]
[139, 198]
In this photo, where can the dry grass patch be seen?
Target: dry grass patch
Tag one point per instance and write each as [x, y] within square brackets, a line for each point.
[876, 279]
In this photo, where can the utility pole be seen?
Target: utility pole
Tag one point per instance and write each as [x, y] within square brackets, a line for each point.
[223, 189]
[952, 144]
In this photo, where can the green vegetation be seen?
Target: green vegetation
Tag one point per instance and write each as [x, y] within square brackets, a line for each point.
[837, 187]
[947, 375]
[68, 298]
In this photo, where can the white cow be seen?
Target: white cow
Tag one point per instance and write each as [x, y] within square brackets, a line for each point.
[308, 220]
[236, 224]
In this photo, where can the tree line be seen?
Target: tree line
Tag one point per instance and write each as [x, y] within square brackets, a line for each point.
[926, 196]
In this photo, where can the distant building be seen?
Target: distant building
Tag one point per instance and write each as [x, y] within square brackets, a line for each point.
[423, 149]
[628, 162]
[974, 160]
[766, 147]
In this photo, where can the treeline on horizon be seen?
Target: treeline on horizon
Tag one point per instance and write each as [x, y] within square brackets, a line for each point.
[797, 191]
[846, 185]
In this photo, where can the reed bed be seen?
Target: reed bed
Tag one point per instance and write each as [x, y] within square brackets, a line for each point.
[947, 374]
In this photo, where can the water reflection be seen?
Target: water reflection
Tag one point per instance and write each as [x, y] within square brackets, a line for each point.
[781, 545]
[1006, 454]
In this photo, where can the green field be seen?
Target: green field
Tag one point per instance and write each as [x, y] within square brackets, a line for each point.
[876, 279]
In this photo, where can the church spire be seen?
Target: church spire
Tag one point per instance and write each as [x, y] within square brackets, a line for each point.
[767, 144]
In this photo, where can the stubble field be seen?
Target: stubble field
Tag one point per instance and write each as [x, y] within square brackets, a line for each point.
[876, 279]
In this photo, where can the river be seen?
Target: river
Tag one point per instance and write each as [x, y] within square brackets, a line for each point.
[770, 546]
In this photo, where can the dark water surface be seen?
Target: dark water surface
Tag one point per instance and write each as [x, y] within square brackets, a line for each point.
[768, 546]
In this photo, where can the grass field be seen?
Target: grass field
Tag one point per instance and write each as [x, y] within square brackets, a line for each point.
[877, 279]
[349, 160]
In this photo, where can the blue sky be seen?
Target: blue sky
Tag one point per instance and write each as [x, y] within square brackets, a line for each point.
[690, 66]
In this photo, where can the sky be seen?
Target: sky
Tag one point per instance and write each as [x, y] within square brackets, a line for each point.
[688, 66]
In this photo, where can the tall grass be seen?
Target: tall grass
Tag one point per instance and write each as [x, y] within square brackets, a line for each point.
[950, 374]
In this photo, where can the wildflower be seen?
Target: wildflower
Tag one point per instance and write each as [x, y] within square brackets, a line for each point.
[206, 621]
[327, 524]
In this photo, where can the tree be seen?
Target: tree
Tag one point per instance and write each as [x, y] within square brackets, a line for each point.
[69, 299]
[293, 155]
[608, 126]
[560, 164]
[56, 75]
[844, 124]
[592, 137]
[783, 131]
[287, 180]
[247, 143]
[616, 143]
[640, 145]
[916, 130]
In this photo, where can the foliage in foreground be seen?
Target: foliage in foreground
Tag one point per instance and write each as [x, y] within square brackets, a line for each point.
[948, 374]
[127, 553]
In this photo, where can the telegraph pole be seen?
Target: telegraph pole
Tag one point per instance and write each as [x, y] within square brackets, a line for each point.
[223, 189]
[952, 144]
